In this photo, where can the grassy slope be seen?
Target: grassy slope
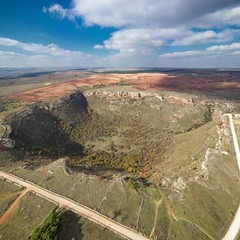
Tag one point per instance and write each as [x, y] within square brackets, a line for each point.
[211, 202]
[120, 203]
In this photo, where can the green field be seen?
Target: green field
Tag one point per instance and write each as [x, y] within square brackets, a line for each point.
[31, 211]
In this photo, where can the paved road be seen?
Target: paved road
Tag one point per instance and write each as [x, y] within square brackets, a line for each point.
[235, 226]
[77, 208]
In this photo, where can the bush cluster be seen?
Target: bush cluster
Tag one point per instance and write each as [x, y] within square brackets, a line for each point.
[48, 230]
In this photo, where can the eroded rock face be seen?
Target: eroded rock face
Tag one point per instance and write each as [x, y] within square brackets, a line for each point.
[138, 95]
[7, 143]
[5, 140]
[118, 94]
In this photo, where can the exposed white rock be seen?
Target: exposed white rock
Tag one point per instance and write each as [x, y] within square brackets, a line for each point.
[225, 153]
[179, 185]
[7, 142]
[204, 163]
[138, 95]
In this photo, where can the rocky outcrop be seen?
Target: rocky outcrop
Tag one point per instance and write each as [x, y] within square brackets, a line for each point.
[138, 95]
[7, 143]
[5, 140]
[121, 94]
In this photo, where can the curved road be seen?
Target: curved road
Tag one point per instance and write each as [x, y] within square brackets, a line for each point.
[235, 226]
[77, 208]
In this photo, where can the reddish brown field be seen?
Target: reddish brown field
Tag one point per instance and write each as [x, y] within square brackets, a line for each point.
[61, 89]
[48, 92]
[141, 81]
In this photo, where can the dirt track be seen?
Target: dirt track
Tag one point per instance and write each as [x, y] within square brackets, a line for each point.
[12, 209]
[77, 208]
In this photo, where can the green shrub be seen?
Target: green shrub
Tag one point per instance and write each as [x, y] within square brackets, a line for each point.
[48, 230]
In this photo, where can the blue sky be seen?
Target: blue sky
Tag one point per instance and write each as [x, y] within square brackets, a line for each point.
[120, 33]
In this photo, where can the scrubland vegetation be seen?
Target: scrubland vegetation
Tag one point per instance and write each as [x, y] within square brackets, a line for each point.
[157, 166]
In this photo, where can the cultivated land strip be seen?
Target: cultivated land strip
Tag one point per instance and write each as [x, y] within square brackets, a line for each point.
[235, 226]
[77, 208]
[12, 209]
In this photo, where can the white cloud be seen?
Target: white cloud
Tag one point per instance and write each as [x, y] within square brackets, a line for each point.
[145, 13]
[214, 51]
[6, 54]
[8, 42]
[183, 54]
[145, 40]
[60, 12]
[98, 46]
[200, 59]
[229, 47]
[39, 55]
[228, 16]
[141, 40]
[147, 25]
[50, 49]
[143, 29]
[207, 37]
